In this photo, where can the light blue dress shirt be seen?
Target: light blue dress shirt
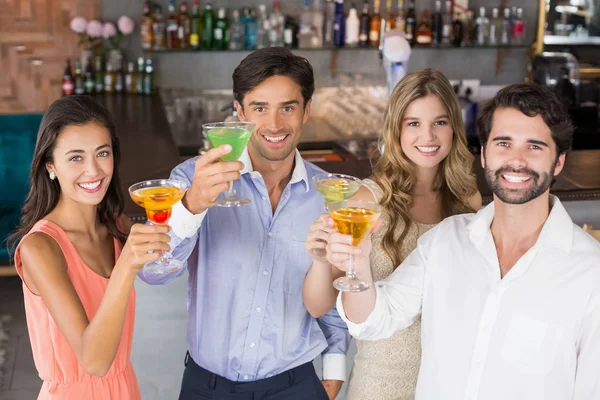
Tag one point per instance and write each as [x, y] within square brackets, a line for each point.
[247, 319]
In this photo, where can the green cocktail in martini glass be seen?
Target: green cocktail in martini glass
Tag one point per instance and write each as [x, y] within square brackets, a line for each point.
[235, 134]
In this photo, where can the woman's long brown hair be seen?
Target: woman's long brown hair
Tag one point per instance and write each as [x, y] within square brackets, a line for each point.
[44, 193]
[395, 173]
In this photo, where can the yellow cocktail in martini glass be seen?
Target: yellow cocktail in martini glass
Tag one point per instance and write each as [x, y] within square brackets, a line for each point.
[336, 187]
[158, 197]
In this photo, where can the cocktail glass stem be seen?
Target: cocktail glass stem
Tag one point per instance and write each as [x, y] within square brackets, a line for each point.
[350, 274]
[163, 258]
[231, 191]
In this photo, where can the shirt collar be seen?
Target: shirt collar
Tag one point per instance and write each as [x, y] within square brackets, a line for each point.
[299, 174]
[557, 231]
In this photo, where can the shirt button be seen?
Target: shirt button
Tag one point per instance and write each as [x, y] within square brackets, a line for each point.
[245, 377]
[252, 345]
[264, 198]
[270, 234]
[265, 272]
[258, 309]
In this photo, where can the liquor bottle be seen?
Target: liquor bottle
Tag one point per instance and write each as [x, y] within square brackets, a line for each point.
[447, 24]
[99, 75]
[146, 30]
[317, 18]
[482, 28]
[305, 35]
[172, 27]
[411, 24]
[68, 86]
[458, 31]
[196, 26]
[424, 30]
[375, 26]
[390, 18]
[79, 83]
[495, 28]
[506, 34]
[263, 27]
[119, 76]
[236, 40]
[184, 25]
[290, 33]
[149, 78]
[109, 79]
[249, 29]
[400, 23]
[363, 36]
[209, 27]
[277, 25]
[352, 27]
[221, 30]
[518, 32]
[328, 23]
[437, 25]
[159, 29]
[339, 24]
[139, 80]
[470, 29]
[130, 79]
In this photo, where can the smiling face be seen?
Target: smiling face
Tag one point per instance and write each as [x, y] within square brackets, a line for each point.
[277, 107]
[520, 157]
[426, 137]
[83, 162]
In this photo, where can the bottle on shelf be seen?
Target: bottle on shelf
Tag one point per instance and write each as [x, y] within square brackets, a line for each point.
[196, 26]
[400, 23]
[317, 23]
[375, 26]
[79, 82]
[277, 25]
[339, 24]
[221, 30]
[159, 28]
[172, 27]
[184, 25]
[139, 79]
[482, 28]
[437, 25]
[99, 75]
[130, 79]
[146, 27]
[411, 23]
[506, 34]
[390, 18]
[109, 79]
[363, 35]
[209, 27]
[424, 30]
[470, 29]
[249, 29]
[236, 39]
[495, 28]
[352, 27]
[263, 27]
[305, 35]
[518, 33]
[290, 33]
[328, 23]
[458, 31]
[149, 78]
[119, 76]
[68, 85]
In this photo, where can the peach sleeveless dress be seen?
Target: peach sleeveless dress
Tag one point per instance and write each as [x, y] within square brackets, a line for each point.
[56, 363]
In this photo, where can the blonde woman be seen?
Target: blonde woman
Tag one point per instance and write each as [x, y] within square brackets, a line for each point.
[424, 176]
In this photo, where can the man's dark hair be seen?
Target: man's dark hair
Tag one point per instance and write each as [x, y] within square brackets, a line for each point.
[531, 99]
[271, 61]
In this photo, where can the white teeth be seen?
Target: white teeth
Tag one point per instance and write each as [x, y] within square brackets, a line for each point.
[90, 186]
[275, 139]
[516, 179]
[428, 149]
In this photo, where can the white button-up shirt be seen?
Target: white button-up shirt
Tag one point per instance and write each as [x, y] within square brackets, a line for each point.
[534, 334]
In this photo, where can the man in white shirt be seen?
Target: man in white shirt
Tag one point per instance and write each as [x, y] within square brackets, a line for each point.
[509, 297]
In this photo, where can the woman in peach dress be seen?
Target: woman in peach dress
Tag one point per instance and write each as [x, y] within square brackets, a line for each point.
[76, 263]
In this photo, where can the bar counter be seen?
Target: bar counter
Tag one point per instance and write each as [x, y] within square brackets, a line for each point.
[150, 152]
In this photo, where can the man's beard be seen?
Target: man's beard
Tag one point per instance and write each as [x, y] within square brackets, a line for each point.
[519, 196]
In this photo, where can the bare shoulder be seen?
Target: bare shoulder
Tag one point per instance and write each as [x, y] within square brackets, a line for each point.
[42, 260]
[38, 245]
[475, 201]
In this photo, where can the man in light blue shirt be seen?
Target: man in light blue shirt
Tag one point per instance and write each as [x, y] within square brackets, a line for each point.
[249, 334]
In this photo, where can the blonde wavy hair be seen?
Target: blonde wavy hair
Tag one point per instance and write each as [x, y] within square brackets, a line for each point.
[395, 173]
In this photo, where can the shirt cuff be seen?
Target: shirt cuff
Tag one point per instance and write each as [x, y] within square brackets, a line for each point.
[358, 330]
[334, 367]
[183, 223]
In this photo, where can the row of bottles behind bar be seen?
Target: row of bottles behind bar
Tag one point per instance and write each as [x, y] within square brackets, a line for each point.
[325, 26]
[106, 79]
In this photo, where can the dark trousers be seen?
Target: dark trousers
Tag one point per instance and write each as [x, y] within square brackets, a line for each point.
[300, 383]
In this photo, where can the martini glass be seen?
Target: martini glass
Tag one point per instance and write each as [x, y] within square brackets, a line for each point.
[355, 217]
[157, 197]
[235, 134]
[336, 187]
